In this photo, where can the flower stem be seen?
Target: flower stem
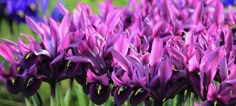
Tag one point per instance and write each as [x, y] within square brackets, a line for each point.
[27, 102]
[53, 92]
[34, 101]
[59, 96]
[68, 93]
[52, 101]
[91, 103]
[40, 102]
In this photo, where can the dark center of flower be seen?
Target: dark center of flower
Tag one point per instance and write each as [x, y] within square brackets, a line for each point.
[12, 80]
[32, 6]
[20, 70]
[98, 88]
[29, 56]
[140, 91]
[68, 65]
[121, 89]
[21, 13]
[30, 82]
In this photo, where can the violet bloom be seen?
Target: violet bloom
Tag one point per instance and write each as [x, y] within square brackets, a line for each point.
[145, 76]
[21, 76]
[54, 46]
[17, 10]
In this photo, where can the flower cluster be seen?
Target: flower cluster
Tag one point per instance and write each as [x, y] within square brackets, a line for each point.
[149, 51]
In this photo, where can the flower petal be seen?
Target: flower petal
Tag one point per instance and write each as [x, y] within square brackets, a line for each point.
[157, 51]
[99, 93]
[6, 53]
[219, 13]
[121, 94]
[35, 27]
[121, 60]
[31, 86]
[15, 84]
[165, 71]
[138, 96]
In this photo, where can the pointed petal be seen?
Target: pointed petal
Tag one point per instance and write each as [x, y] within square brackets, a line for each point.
[64, 26]
[197, 15]
[35, 27]
[223, 69]
[122, 44]
[165, 71]
[6, 53]
[61, 8]
[156, 51]
[121, 60]
[116, 80]
[58, 58]
[219, 13]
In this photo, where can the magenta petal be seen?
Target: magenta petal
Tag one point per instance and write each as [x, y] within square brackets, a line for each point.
[231, 15]
[61, 8]
[229, 41]
[211, 94]
[64, 44]
[6, 53]
[193, 63]
[110, 18]
[156, 51]
[91, 77]
[211, 57]
[122, 44]
[121, 60]
[54, 31]
[165, 71]
[219, 13]
[35, 27]
[64, 26]
[198, 13]
[223, 69]
[58, 58]
[116, 80]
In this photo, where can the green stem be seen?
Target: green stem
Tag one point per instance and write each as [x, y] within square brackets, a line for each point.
[59, 96]
[68, 93]
[34, 100]
[53, 93]
[91, 103]
[52, 101]
[67, 97]
[27, 102]
[40, 102]
[83, 99]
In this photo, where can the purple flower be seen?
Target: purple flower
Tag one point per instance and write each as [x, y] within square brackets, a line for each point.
[21, 76]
